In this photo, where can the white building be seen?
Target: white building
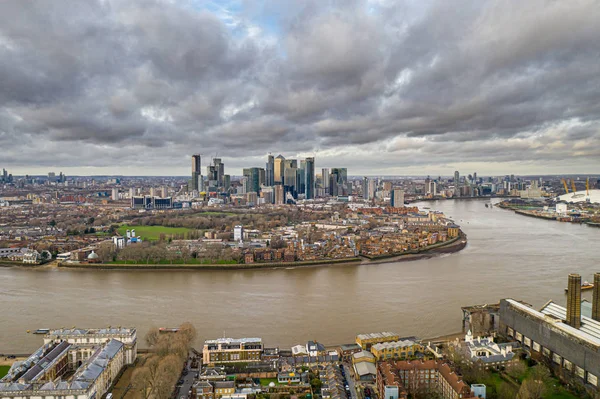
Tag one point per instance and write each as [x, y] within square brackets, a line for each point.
[238, 233]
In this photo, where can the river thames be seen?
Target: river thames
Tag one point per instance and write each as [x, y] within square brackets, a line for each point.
[507, 255]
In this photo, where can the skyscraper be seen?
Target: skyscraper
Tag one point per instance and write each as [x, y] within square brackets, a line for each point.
[253, 175]
[456, 184]
[309, 172]
[270, 171]
[365, 187]
[279, 169]
[196, 173]
[325, 179]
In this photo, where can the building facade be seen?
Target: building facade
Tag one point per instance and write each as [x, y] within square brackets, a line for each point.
[230, 350]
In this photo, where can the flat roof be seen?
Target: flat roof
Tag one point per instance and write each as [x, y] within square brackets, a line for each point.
[385, 334]
[394, 344]
[233, 340]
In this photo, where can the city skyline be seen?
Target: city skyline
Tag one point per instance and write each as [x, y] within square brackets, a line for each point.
[125, 88]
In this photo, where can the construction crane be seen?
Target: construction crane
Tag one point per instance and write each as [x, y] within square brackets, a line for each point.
[573, 185]
[564, 182]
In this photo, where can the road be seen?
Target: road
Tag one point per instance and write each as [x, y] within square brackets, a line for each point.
[350, 380]
[188, 381]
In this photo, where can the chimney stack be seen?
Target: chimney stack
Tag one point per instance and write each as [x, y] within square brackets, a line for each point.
[596, 298]
[574, 301]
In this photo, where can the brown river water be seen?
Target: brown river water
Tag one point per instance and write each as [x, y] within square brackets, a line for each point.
[507, 255]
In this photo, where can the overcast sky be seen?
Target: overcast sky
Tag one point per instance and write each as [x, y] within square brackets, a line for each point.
[380, 87]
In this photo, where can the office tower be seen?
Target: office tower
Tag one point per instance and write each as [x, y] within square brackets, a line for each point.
[365, 187]
[475, 177]
[301, 178]
[226, 182]
[387, 186]
[220, 169]
[279, 195]
[325, 179]
[574, 301]
[115, 194]
[333, 184]
[163, 192]
[262, 176]
[309, 177]
[253, 179]
[212, 176]
[196, 173]
[397, 198]
[52, 177]
[279, 169]
[596, 298]
[270, 171]
[340, 181]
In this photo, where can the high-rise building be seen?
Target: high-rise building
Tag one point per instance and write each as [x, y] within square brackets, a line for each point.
[325, 179]
[456, 184]
[309, 178]
[253, 175]
[279, 194]
[270, 171]
[196, 173]
[279, 169]
[220, 168]
[397, 198]
[432, 187]
[290, 177]
[365, 188]
[338, 181]
[226, 182]
[574, 301]
[115, 194]
[372, 188]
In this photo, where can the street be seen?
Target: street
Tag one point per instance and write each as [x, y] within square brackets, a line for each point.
[188, 380]
[350, 381]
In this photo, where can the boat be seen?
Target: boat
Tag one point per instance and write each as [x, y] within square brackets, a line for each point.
[584, 286]
[42, 331]
[168, 329]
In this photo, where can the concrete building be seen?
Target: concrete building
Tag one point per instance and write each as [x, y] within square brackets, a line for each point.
[279, 169]
[486, 354]
[568, 341]
[230, 350]
[238, 233]
[196, 181]
[397, 198]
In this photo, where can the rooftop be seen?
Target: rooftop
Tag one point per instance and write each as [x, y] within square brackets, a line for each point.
[385, 334]
[89, 331]
[394, 345]
[233, 341]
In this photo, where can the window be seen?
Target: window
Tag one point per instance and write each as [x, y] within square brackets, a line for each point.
[567, 365]
[527, 342]
[592, 379]
[519, 337]
[546, 352]
[510, 332]
[579, 371]
[555, 358]
[536, 347]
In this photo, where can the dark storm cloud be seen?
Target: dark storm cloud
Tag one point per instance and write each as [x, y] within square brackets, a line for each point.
[373, 82]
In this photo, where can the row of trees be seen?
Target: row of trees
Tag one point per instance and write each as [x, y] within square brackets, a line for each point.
[151, 253]
[157, 373]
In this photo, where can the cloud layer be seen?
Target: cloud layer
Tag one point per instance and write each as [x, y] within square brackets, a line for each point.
[383, 87]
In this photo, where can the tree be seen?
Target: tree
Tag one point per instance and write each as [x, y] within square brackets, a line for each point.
[506, 391]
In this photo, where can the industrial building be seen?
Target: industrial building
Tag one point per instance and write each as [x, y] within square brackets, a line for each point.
[368, 340]
[568, 338]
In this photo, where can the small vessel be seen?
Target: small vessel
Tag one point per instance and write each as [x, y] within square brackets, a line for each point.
[42, 331]
[486, 205]
[168, 329]
[584, 286]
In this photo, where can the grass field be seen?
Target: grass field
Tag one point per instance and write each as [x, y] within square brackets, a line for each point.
[4, 370]
[152, 233]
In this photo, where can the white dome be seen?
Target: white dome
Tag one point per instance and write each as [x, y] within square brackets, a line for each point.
[93, 255]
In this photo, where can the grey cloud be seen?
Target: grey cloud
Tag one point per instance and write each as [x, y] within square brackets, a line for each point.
[391, 84]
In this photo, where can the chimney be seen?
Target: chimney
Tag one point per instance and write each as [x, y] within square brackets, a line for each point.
[596, 298]
[574, 301]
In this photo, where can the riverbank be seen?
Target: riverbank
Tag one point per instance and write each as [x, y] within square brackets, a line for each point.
[454, 245]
